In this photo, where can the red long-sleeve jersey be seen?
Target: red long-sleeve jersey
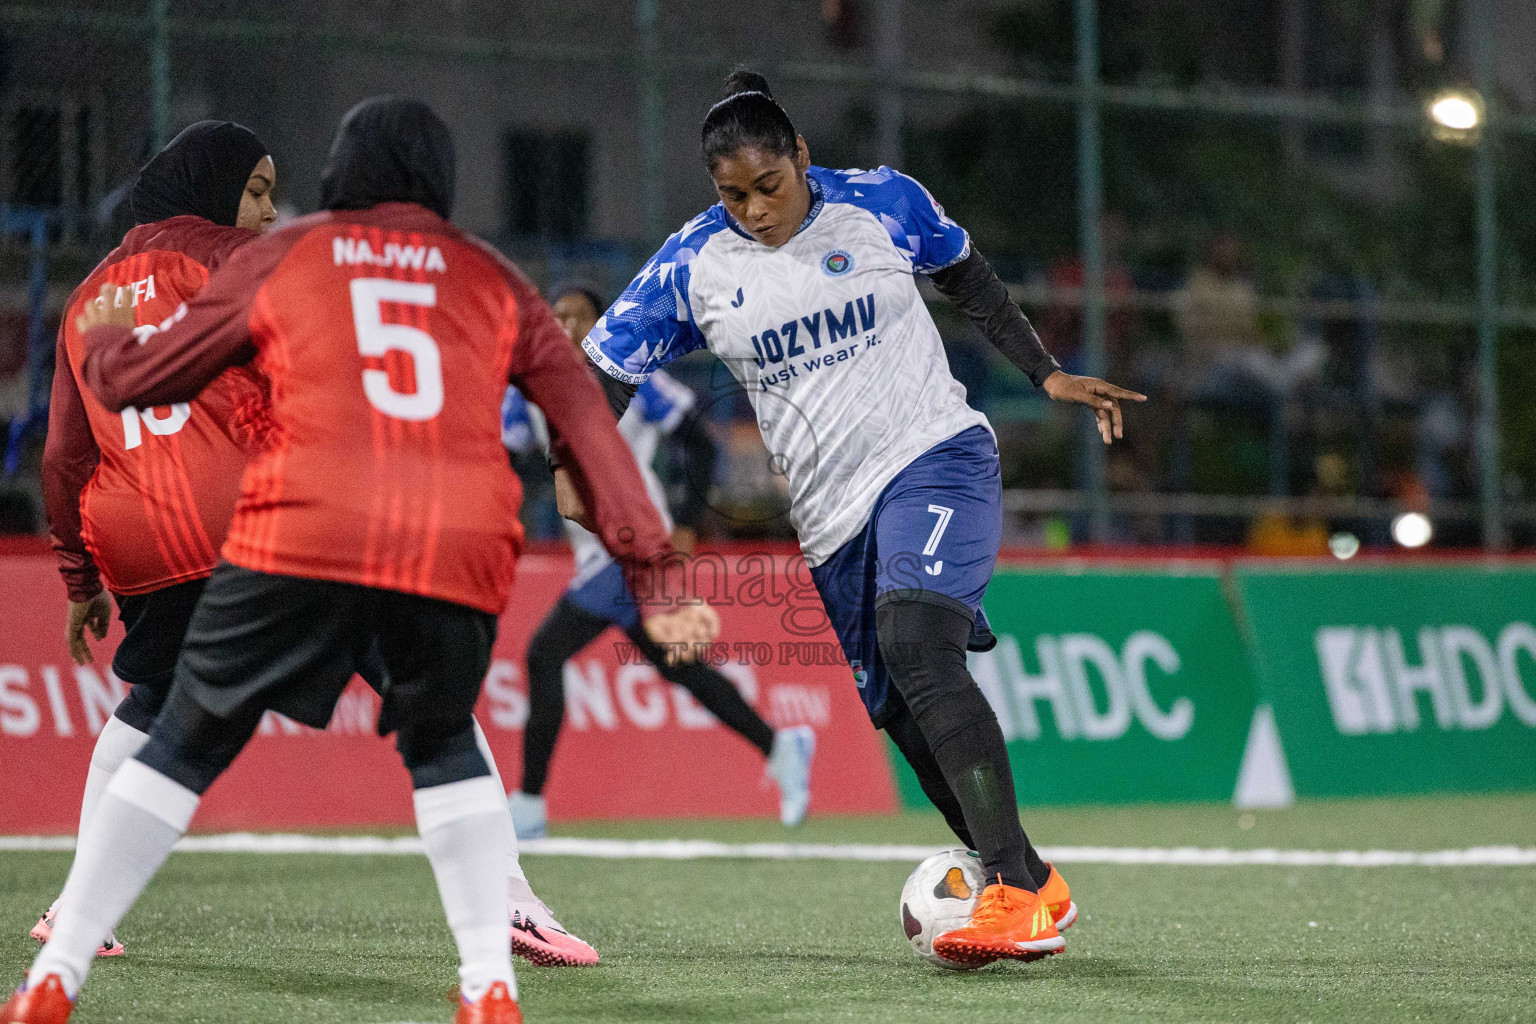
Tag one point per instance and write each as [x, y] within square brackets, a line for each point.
[389, 337]
[144, 496]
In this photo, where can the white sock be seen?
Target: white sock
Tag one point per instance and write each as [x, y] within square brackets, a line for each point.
[514, 865]
[467, 831]
[117, 743]
[135, 824]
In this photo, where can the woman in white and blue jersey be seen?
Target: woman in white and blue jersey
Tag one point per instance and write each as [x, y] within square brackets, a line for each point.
[802, 281]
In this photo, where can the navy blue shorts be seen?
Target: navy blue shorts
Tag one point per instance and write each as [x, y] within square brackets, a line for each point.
[607, 596]
[932, 536]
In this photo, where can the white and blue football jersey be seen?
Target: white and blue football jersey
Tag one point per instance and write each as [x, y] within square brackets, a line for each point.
[827, 334]
[659, 406]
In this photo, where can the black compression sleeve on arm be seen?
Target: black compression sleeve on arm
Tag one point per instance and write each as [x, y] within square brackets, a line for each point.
[974, 289]
[617, 392]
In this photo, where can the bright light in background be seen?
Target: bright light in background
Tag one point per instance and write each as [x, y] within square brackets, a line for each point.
[1455, 111]
[1344, 545]
[1412, 529]
[1456, 115]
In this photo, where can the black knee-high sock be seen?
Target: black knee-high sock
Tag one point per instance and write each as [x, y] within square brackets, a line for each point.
[902, 728]
[923, 646]
[566, 630]
[717, 693]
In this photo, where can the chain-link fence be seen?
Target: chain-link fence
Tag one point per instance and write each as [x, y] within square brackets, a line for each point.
[1245, 210]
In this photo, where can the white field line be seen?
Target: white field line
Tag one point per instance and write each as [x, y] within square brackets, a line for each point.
[698, 849]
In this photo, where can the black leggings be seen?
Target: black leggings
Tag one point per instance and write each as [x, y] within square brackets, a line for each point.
[565, 631]
[949, 734]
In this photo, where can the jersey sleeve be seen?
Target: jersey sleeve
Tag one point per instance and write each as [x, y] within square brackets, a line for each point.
[70, 456]
[174, 361]
[584, 436]
[663, 401]
[916, 222]
[651, 324]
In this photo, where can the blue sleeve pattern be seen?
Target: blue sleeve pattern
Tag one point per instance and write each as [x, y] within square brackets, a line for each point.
[651, 324]
[663, 401]
[915, 221]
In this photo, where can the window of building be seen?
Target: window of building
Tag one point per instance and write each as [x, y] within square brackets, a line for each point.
[546, 182]
[37, 156]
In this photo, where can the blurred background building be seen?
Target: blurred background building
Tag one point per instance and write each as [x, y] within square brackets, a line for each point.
[1245, 210]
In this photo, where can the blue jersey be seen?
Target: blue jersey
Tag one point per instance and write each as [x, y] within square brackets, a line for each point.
[827, 334]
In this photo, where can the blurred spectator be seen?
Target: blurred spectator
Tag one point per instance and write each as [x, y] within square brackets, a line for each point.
[1442, 431]
[1061, 324]
[1224, 347]
[1228, 362]
[1275, 534]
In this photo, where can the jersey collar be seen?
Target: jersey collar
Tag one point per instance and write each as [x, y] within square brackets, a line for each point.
[818, 200]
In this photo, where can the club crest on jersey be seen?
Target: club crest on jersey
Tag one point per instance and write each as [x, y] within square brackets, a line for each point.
[860, 677]
[836, 263]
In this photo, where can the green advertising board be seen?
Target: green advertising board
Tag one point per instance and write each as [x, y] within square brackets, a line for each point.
[1397, 679]
[1114, 686]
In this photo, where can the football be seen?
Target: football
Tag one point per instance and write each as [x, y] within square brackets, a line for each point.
[939, 895]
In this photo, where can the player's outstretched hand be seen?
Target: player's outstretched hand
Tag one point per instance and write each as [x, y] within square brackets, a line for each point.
[95, 613]
[112, 308]
[569, 503]
[683, 632]
[1101, 396]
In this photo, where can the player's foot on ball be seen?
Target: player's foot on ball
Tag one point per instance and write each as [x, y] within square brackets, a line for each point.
[537, 937]
[495, 1007]
[43, 931]
[789, 765]
[1059, 899]
[47, 1003]
[1007, 924]
[529, 818]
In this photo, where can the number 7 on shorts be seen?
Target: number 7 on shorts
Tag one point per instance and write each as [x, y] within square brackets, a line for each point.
[937, 535]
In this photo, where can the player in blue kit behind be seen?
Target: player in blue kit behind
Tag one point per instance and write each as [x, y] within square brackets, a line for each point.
[598, 598]
[802, 281]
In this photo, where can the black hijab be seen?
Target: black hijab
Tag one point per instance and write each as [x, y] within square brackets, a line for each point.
[202, 171]
[388, 150]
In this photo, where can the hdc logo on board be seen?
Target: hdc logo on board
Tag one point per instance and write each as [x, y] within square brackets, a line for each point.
[1093, 692]
[1380, 681]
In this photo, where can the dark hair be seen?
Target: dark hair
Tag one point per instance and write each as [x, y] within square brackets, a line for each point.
[586, 288]
[748, 116]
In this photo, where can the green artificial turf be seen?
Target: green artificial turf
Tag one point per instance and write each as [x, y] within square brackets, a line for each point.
[234, 937]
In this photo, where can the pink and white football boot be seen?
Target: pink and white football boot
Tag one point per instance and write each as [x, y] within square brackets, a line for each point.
[537, 937]
[43, 931]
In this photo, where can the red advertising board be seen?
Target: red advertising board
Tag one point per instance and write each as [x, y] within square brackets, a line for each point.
[633, 746]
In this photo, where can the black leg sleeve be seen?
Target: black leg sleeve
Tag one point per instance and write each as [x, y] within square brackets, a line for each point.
[902, 728]
[923, 645]
[717, 693]
[564, 631]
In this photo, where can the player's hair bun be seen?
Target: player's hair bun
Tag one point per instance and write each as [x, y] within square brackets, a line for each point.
[745, 80]
[748, 116]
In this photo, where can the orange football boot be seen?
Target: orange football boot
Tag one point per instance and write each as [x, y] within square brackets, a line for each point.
[1007, 924]
[495, 1007]
[1059, 898]
[45, 1004]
